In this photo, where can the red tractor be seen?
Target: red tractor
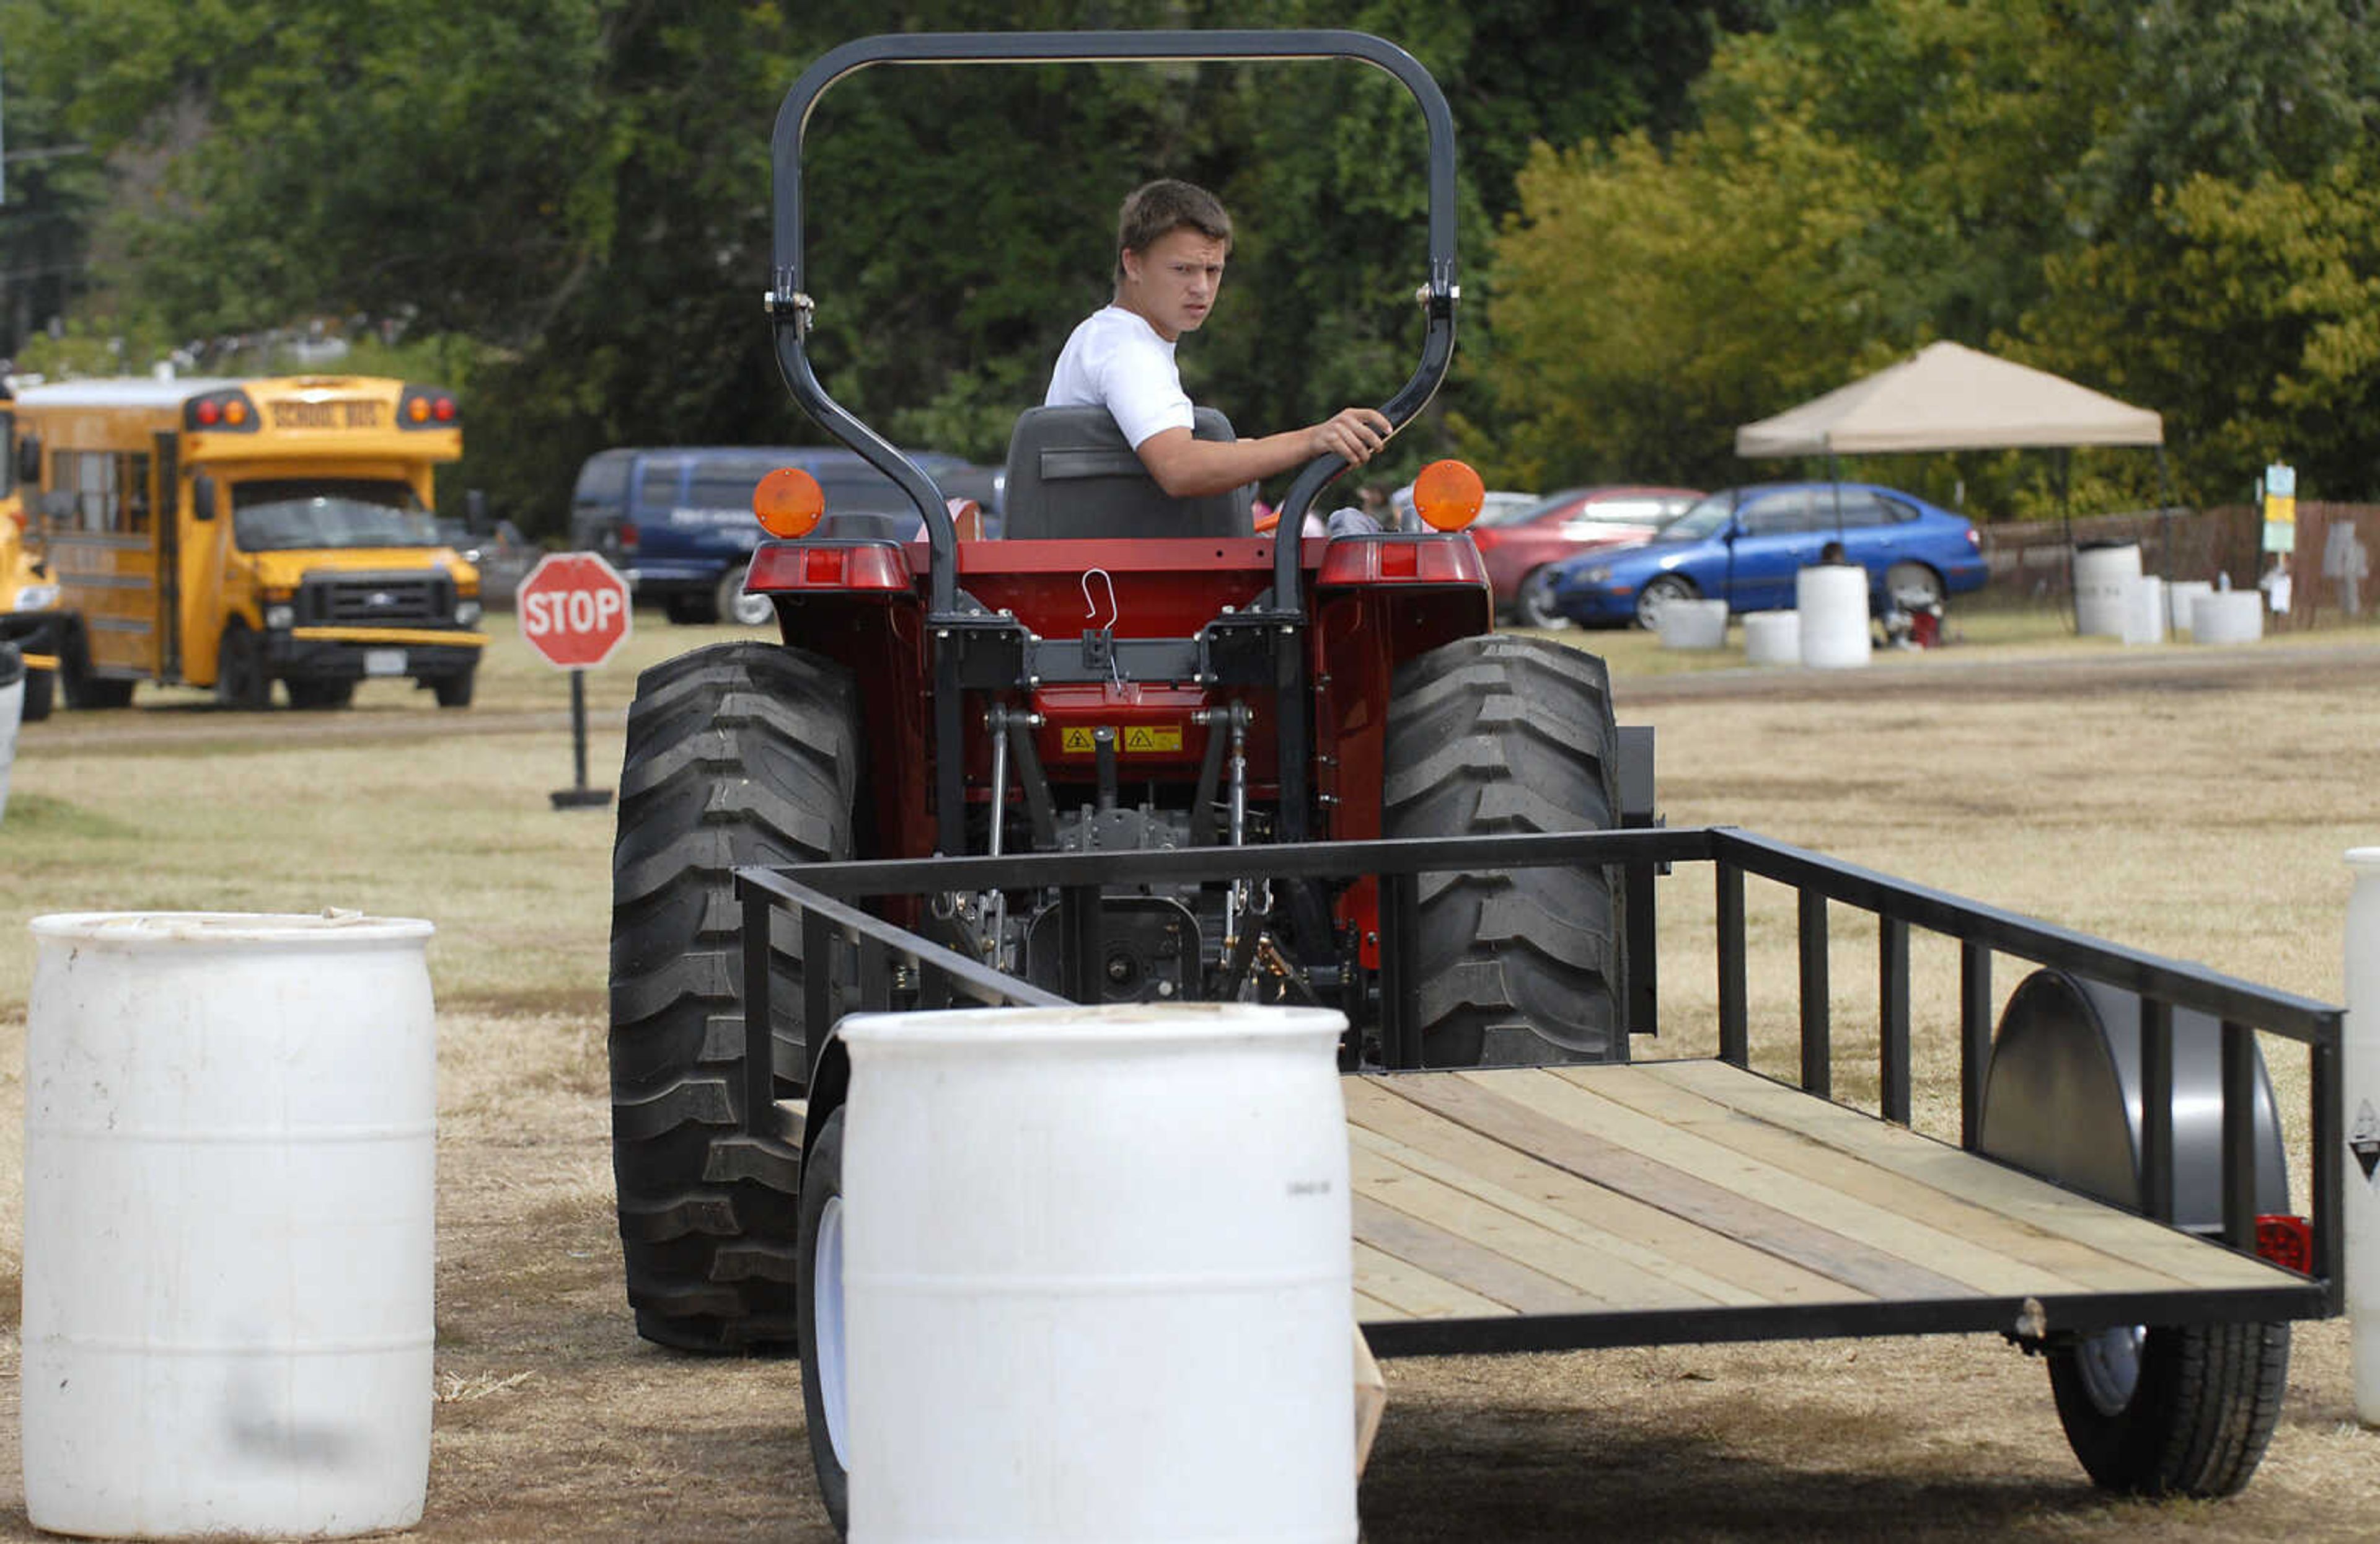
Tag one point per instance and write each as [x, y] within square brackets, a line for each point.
[1121, 673]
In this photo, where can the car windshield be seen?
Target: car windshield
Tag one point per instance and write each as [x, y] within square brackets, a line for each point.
[1706, 519]
[1511, 509]
[287, 514]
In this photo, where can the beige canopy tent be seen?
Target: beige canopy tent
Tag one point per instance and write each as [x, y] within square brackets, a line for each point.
[1947, 396]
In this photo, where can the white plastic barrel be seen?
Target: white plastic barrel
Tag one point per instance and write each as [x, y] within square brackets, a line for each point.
[2145, 609]
[12, 708]
[2101, 576]
[1772, 638]
[229, 1200]
[2227, 616]
[2360, 1073]
[2180, 596]
[1692, 624]
[1831, 599]
[1096, 1278]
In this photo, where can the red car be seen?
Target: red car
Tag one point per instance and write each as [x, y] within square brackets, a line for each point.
[1523, 545]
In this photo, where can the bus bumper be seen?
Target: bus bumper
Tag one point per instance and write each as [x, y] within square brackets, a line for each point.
[416, 654]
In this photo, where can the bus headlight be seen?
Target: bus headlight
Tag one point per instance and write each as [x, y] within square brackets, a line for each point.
[278, 618]
[37, 596]
[467, 613]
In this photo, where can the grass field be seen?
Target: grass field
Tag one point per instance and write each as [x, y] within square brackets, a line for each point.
[2197, 814]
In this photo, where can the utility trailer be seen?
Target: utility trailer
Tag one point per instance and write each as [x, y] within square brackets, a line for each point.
[2117, 1201]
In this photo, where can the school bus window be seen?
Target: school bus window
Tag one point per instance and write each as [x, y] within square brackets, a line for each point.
[283, 514]
[135, 484]
[91, 477]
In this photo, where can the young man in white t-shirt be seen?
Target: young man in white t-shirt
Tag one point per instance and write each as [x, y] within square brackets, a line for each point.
[1171, 240]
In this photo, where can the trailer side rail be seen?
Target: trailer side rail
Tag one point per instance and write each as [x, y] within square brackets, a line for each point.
[892, 966]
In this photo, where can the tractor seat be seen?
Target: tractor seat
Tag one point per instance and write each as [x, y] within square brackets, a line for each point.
[1069, 474]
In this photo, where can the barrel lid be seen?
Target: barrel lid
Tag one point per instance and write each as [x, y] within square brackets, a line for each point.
[2365, 858]
[12, 665]
[330, 927]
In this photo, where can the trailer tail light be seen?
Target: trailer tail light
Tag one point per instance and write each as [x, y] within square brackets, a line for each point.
[1448, 495]
[1400, 560]
[877, 566]
[2286, 1241]
[788, 502]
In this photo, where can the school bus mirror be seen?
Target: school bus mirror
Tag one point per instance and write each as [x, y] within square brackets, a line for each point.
[202, 498]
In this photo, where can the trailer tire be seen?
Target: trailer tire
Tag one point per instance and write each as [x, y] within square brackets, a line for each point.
[823, 1403]
[2188, 1416]
[738, 753]
[1503, 733]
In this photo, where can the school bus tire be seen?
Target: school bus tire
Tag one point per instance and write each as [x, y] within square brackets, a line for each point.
[83, 690]
[737, 753]
[40, 689]
[243, 680]
[455, 692]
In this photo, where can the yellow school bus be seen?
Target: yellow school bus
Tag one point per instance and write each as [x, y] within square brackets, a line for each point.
[232, 534]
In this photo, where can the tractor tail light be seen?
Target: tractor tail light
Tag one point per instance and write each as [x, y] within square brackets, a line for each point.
[2286, 1241]
[877, 566]
[1391, 559]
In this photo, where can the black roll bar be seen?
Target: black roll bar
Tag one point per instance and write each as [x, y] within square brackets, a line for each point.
[791, 305]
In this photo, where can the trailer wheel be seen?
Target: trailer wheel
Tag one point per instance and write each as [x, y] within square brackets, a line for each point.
[825, 1409]
[2179, 1410]
[1504, 733]
[737, 753]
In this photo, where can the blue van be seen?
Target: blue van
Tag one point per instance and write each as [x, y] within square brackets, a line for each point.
[677, 520]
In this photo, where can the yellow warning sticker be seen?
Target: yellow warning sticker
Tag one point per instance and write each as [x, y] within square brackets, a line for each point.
[1135, 739]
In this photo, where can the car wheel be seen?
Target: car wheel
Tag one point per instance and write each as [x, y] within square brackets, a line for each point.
[1533, 604]
[734, 605]
[1656, 594]
[1912, 586]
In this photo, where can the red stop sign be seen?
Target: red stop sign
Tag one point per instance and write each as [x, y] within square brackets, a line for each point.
[574, 608]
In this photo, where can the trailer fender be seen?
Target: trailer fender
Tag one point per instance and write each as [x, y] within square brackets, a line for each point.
[2066, 1058]
[830, 1086]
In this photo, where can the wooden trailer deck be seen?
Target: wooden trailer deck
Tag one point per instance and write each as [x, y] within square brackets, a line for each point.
[1694, 1200]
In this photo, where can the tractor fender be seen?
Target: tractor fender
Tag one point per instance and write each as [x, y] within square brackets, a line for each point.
[2066, 1059]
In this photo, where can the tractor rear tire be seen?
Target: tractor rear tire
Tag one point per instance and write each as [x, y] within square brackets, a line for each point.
[739, 753]
[1498, 734]
[2182, 1410]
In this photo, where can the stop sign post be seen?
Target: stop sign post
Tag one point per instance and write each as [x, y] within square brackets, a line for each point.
[574, 611]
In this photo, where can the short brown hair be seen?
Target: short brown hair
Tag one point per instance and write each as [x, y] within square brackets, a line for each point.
[1154, 208]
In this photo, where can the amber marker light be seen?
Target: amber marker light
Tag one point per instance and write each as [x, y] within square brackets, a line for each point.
[1448, 495]
[788, 502]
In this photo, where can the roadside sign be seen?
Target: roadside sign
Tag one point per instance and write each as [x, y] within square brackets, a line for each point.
[574, 610]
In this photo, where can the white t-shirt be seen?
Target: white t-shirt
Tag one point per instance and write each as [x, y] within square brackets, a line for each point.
[1116, 360]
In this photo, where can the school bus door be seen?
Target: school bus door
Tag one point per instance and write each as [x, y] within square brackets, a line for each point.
[166, 506]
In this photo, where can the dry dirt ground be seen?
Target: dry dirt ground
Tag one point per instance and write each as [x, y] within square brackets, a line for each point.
[554, 1422]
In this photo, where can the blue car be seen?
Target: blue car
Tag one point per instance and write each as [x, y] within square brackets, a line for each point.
[1745, 545]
